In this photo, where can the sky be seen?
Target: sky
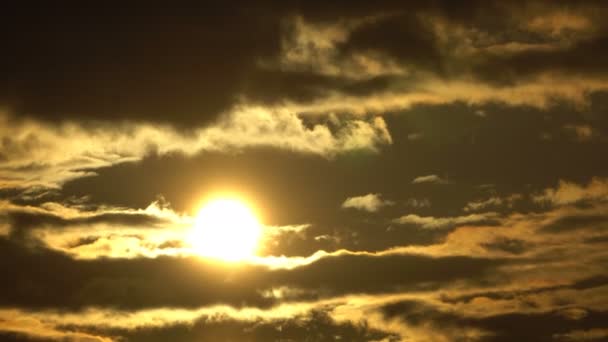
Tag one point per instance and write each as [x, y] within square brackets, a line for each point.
[414, 171]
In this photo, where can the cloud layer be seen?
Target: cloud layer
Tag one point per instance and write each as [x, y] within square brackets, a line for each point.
[422, 171]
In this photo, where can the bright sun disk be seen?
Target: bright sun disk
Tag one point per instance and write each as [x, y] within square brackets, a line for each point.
[226, 229]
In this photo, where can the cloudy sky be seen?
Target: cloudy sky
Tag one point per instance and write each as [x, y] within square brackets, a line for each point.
[411, 171]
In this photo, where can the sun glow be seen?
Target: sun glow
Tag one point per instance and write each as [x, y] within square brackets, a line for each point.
[226, 229]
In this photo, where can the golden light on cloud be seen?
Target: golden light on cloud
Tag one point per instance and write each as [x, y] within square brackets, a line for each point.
[226, 229]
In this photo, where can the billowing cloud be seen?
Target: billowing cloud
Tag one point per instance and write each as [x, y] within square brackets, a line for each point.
[36, 154]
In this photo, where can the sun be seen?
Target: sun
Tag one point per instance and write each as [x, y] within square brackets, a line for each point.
[226, 229]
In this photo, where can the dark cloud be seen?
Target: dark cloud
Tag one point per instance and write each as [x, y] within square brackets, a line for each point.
[597, 239]
[84, 241]
[514, 246]
[182, 65]
[574, 59]
[315, 326]
[496, 101]
[46, 279]
[538, 327]
[372, 235]
[28, 196]
[177, 65]
[392, 272]
[544, 326]
[187, 65]
[593, 282]
[23, 223]
[14, 337]
[402, 36]
[577, 222]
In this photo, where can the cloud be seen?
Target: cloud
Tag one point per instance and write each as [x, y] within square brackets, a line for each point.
[315, 56]
[418, 203]
[492, 327]
[20, 329]
[415, 136]
[581, 132]
[577, 221]
[458, 58]
[369, 202]
[429, 179]
[133, 283]
[96, 73]
[316, 323]
[307, 45]
[40, 155]
[116, 232]
[568, 193]
[540, 247]
[557, 22]
[478, 297]
[540, 92]
[299, 321]
[492, 202]
[596, 334]
[502, 244]
[532, 234]
[116, 283]
[90, 233]
[384, 318]
[430, 222]
[298, 107]
[297, 63]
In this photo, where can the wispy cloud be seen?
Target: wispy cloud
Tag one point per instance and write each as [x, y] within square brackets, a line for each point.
[568, 193]
[429, 179]
[369, 202]
[430, 222]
